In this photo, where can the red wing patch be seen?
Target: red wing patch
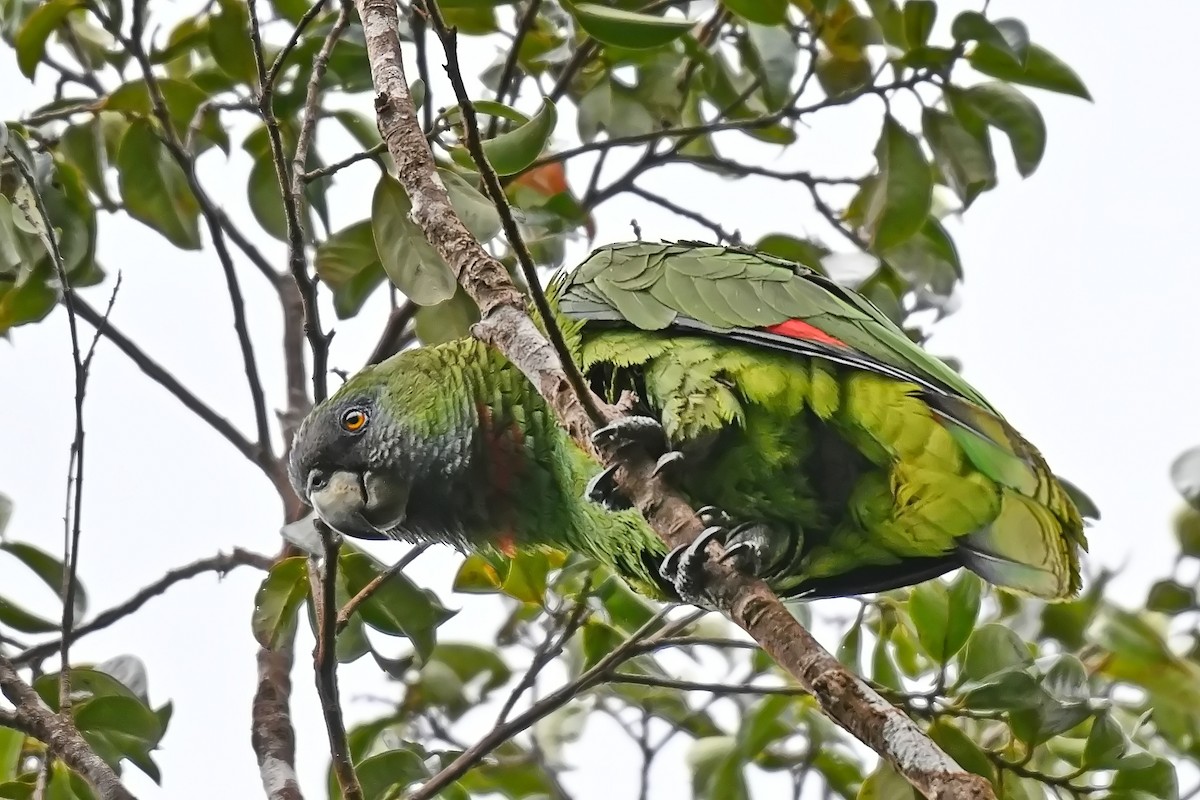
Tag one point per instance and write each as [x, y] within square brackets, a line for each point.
[798, 329]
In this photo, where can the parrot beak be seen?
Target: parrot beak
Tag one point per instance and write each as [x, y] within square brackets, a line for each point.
[363, 506]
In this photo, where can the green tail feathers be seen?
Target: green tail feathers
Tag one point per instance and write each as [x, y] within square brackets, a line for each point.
[1031, 544]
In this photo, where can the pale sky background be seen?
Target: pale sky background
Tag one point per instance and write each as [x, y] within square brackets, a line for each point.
[1079, 321]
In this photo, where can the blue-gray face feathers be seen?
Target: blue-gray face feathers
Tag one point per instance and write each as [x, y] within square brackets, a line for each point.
[341, 464]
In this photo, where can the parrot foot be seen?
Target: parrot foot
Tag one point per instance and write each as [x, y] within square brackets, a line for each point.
[644, 431]
[748, 549]
[603, 489]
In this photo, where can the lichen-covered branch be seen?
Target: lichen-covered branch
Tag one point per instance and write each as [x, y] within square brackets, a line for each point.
[505, 324]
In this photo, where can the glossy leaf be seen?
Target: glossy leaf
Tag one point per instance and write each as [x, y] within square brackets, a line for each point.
[18, 619]
[229, 40]
[154, 188]
[974, 26]
[278, 600]
[919, 17]
[773, 56]
[1017, 117]
[762, 12]
[513, 151]
[964, 158]
[398, 607]
[1042, 69]
[628, 29]
[48, 568]
[992, 648]
[348, 264]
[30, 41]
[384, 774]
[900, 198]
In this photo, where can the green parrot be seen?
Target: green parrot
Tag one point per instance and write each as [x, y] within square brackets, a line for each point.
[831, 456]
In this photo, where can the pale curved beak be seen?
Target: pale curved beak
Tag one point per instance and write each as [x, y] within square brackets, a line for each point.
[366, 506]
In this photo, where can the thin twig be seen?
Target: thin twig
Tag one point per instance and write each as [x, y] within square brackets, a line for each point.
[301, 26]
[72, 521]
[324, 595]
[695, 216]
[338, 166]
[221, 563]
[556, 699]
[162, 377]
[59, 734]
[393, 331]
[347, 611]
[509, 71]
[714, 688]
[512, 231]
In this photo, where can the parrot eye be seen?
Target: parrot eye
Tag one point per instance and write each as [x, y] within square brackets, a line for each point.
[354, 420]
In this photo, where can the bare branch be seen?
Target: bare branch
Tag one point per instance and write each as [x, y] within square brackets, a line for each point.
[338, 166]
[74, 517]
[221, 564]
[556, 699]
[162, 377]
[291, 185]
[324, 595]
[505, 325]
[695, 216]
[509, 71]
[59, 735]
[393, 332]
[714, 688]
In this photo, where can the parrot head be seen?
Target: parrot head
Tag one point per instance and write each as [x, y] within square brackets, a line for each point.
[346, 464]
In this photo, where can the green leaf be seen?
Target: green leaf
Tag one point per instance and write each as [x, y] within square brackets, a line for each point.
[526, 578]
[229, 40]
[1171, 597]
[29, 300]
[964, 158]
[961, 747]
[398, 607]
[919, 17]
[49, 569]
[716, 768]
[886, 784]
[451, 319]
[407, 258]
[1005, 108]
[599, 639]
[382, 775]
[628, 29]
[762, 12]
[154, 188]
[348, 264]
[266, 199]
[21, 620]
[1042, 70]
[85, 682]
[1010, 690]
[902, 195]
[973, 26]
[944, 616]
[993, 647]
[773, 54]
[801, 251]
[30, 41]
[1106, 743]
[849, 652]
[470, 662]
[1156, 780]
[278, 599]
[513, 151]
[182, 99]
[1187, 530]
[11, 744]
[477, 576]
[1016, 35]
[125, 715]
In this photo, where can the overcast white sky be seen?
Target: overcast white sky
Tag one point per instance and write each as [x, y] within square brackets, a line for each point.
[1079, 322]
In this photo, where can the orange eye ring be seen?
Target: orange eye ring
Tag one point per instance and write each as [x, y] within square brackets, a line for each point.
[354, 420]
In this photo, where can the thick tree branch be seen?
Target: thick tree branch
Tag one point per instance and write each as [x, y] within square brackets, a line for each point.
[59, 734]
[271, 733]
[505, 325]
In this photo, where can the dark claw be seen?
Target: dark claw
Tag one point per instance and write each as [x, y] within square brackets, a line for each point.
[711, 515]
[602, 489]
[644, 431]
[684, 568]
[667, 461]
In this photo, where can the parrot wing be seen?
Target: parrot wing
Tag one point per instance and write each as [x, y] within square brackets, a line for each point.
[737, 295]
